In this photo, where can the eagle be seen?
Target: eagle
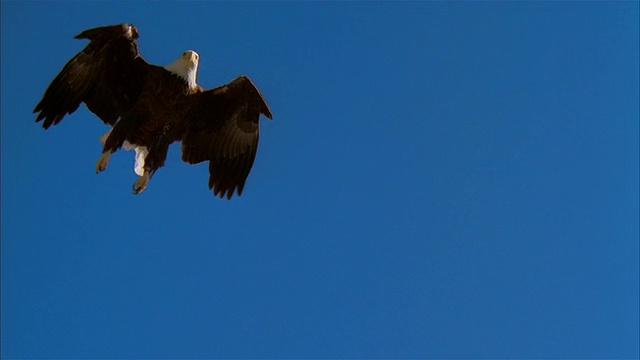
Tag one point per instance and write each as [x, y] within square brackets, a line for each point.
[149, 107]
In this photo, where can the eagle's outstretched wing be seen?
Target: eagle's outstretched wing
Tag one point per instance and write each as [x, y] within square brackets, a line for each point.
[107, 75]
[222, 127]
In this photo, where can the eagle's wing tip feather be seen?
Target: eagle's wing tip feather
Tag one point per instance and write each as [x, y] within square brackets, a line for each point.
[264, 108]
[91, 33]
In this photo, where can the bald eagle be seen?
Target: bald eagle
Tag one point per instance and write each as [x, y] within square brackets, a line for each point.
[149, 107]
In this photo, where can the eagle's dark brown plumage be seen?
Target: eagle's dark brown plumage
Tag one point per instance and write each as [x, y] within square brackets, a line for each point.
[150, 107]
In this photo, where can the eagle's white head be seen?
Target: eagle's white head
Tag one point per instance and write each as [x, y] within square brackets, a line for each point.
[186, 66]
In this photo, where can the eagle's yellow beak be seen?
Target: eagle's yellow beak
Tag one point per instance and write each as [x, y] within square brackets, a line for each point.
[190, 56]
[193, 57]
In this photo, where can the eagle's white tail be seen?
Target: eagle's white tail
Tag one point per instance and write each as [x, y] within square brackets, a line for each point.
[141, 155]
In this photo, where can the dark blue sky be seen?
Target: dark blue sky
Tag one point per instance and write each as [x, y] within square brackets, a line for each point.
[440, 180]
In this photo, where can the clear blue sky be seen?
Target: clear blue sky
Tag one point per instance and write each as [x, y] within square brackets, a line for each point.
[440, 180]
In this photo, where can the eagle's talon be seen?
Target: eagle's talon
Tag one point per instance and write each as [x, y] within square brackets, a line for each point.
[137, 190]
[140, 184]
[102, 162]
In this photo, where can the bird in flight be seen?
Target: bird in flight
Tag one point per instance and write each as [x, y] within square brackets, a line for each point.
[149, 107]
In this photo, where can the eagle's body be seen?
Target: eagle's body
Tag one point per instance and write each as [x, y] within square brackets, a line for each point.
[151, 107]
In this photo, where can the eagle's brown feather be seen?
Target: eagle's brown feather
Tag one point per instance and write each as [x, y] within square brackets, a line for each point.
[223, 128]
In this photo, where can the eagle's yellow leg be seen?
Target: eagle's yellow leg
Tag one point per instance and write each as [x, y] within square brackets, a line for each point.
[103, 137]
[103, 161]
[141, 183]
